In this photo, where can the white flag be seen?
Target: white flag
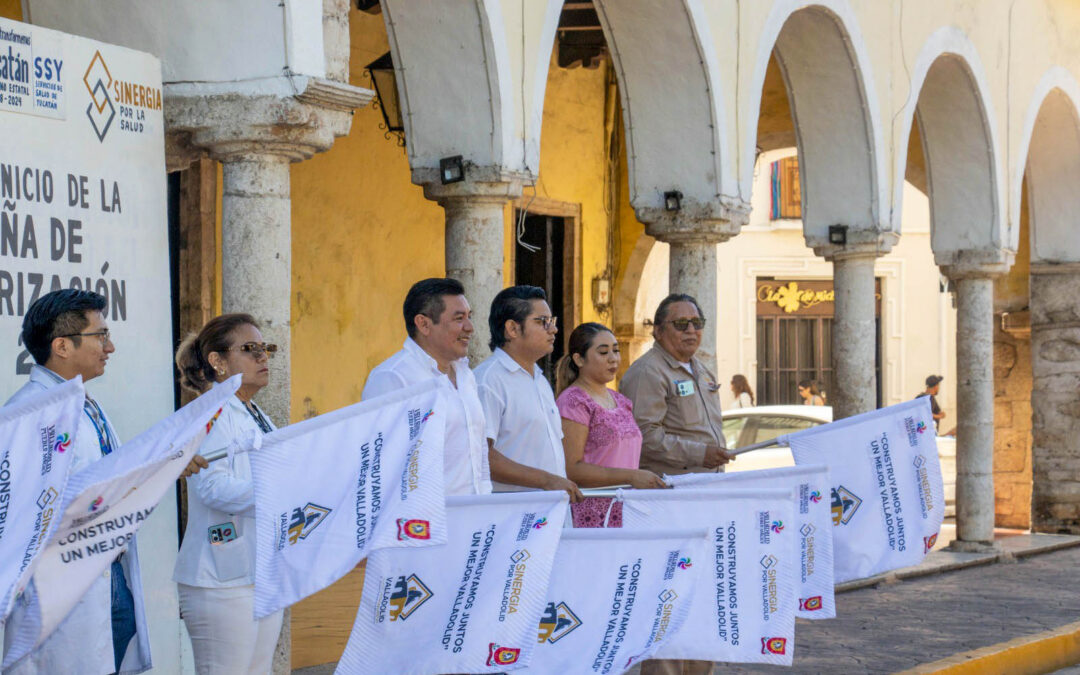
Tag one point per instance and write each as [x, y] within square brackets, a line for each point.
[38, 435]
[744, 613]
[103, 506]
[812, 521]
[330, 490]
[887, 497]
[470, 606]
[615, 597]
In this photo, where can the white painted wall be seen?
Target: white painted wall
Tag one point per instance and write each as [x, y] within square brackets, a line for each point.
[919, 322]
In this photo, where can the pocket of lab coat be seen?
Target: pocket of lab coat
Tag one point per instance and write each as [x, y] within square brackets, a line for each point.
[231, 559]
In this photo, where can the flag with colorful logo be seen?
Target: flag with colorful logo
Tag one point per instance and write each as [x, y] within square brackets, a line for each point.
[615, 597]
[886, 499]
[812, 523]
[331, 489]
[744, 608]
[100, 511]
[34, 463]
[470, 606]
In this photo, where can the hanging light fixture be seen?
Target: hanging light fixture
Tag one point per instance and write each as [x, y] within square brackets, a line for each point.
[383, 77]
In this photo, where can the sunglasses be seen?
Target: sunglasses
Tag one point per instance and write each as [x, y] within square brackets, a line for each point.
[682, 324]
[256, 349]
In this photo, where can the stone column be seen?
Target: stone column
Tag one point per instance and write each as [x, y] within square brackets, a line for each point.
[475, 225]
[854, 333]
[974, 403]
[693, 232]
[1055, 358]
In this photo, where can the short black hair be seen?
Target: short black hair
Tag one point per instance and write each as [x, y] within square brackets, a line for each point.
[661, 309]
[426, 297]
[57, 314]
[511, 304]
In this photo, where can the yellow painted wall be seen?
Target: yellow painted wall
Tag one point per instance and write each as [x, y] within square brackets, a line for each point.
[11, 9]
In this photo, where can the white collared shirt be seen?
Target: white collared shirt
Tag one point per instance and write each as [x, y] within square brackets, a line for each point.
[465, 461]
[522, 418]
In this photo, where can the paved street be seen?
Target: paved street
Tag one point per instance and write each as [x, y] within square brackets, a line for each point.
[902, 625]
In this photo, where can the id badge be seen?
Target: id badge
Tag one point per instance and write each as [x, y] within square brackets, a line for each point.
[219, 534]
[684, 387]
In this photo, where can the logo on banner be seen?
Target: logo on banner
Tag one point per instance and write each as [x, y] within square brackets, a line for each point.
[777, 526]
[413, 529]
[96, 504]
[844, 505]
[815, 496]
[685, 564]
[557, 622]
[46, 497]
[540, 522]
[210, 424]
[810, 604]
[502, 656]
[513, 584]
[914, 430]
[775, 645]
[928, 543]
[305, 520]
[926, 498]
[63, 442]
[98, 79]
[768, 561]
[409, 593]
[807, 531]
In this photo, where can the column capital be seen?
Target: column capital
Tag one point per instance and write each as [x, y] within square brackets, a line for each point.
[711, 222]
[229, 126]
[491, 186]
[975, 264]
[860, 244]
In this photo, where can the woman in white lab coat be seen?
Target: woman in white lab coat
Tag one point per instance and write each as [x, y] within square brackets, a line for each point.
[215, 569]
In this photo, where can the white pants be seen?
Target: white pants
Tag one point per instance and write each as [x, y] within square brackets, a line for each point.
[225, 638]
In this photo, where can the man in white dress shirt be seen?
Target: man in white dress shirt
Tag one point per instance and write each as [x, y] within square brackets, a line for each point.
[523, 423]
[439, 327]
[66, 333]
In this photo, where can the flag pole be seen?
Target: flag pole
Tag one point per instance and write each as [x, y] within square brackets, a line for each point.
[779, 440]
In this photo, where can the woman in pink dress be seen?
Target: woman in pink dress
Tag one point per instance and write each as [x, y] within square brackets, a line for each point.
[601, 440]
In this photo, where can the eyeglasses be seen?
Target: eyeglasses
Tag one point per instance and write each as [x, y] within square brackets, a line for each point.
[103, 334]
[682, 324]
[548, 322]
[256, 349]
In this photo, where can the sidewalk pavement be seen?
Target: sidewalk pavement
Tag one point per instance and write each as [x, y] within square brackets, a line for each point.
[950, 604]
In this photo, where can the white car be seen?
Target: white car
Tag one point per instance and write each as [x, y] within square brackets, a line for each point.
[746, 426]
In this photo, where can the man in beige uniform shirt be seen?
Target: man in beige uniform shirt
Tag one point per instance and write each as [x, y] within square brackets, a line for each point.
[677, 406]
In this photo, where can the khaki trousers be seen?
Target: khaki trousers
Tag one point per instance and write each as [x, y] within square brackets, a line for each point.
[670, 667]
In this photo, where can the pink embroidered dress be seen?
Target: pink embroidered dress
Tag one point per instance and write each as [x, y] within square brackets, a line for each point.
[614, 441]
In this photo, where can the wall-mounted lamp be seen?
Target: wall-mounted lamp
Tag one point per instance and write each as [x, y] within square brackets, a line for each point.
[672, 200]
[838, 235]
[451, 169]
[383, 77]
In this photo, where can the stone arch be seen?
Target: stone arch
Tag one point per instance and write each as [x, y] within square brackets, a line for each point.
[950, 101]
[666, 63]
[628, 327]
[828, 77]
[496, 54]
[1050, 163]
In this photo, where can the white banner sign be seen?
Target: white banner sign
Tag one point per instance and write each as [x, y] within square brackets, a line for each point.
[812, 522]
[83, 205]
[745, 611]
[470, 606]
[103, 506]
[331, 489]
[887, 498]
[615, 597]
[38, 434]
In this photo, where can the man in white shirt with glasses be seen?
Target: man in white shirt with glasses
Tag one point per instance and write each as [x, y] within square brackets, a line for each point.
[524, 428]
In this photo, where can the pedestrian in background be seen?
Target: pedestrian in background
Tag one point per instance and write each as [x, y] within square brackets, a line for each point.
[809, 393]
[744, 395]
[601, 440]
[215, 569]
[933, 388]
